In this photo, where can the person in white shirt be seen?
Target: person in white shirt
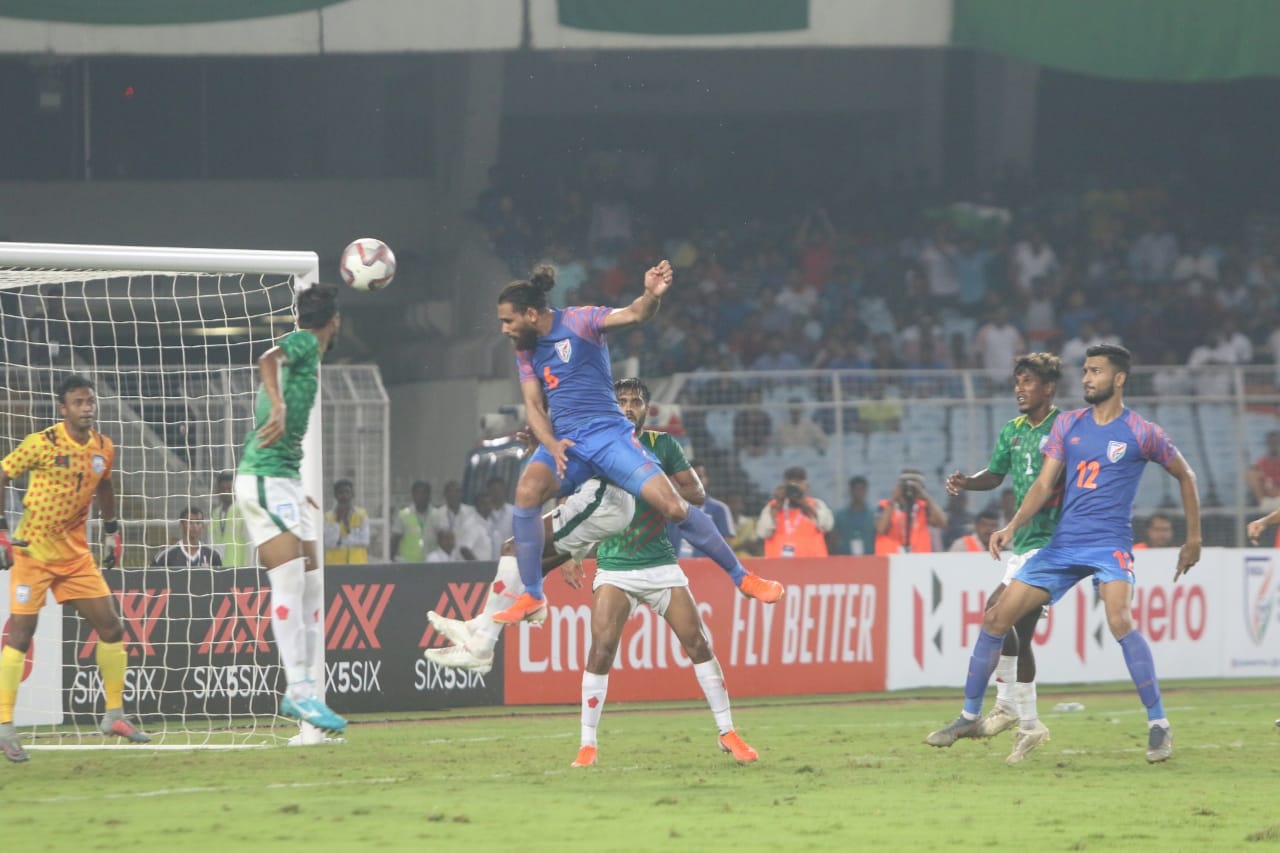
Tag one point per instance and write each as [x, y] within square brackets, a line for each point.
[1031, 259]
[799, 431]
[998, 342]
[470, 532]
[446, 550]
[499, 515]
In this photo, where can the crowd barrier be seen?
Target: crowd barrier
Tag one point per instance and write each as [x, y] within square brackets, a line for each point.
[200, 640]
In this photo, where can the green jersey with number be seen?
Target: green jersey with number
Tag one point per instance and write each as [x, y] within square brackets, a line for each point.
[644, 544]
[299, 381]
[1019, 451]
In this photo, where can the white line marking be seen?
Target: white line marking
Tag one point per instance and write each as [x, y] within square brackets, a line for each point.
[168, 792]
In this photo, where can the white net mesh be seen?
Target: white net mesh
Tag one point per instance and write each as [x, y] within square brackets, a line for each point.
[170, 352]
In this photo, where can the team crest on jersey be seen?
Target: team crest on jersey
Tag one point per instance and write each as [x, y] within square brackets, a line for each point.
[22, 593]
[564, 349]
[99, 463]
[1115, 450]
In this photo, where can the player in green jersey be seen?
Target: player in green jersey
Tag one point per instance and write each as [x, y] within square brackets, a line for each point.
[1017, 452]
[277, 512]
[638, 566]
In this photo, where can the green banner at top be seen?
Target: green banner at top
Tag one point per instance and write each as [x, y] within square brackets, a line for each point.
[1170, 40]
[685, 17]
[152, 11]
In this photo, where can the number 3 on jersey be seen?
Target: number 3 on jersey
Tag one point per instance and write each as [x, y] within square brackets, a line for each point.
[1087, 475]
[549, 378]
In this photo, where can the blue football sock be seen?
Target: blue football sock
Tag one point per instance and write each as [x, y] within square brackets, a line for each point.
[701, 531]
[1142, 669]
[526, 530]
[986, 654]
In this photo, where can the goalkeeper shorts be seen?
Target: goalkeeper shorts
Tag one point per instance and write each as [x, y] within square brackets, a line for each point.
[73, 580]
[596, 511]
[274, 505]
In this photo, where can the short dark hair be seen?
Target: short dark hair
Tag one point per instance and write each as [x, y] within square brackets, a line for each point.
[416, 483]
[531, 292]
[989, 514]
[857, 480]
[74, 382]
[337, 484]
[316, 305]
[1119, 357]
[226, 476]
[1160, 515]
[188, 512]
[634, 384]
[795, 472]
[1044, 366]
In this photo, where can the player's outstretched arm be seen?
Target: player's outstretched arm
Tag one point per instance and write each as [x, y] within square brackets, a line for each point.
[656, 282]
[982, 481]
[1189, 553]
[1258, 526]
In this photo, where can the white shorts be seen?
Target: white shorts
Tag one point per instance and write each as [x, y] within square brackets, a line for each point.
[1015, 563]
[649, 586]
[274, 505]
[596, 511]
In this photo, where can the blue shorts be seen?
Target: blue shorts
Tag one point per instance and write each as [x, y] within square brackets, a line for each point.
[603, 447]
[1057, 569]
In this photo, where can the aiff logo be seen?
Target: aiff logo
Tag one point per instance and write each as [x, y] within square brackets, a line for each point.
[1261, 591]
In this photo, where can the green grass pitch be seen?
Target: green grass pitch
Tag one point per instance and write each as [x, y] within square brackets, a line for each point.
[834, 773]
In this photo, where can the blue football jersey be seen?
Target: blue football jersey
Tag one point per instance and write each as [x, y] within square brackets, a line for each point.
[572, 363]
[1103, 465]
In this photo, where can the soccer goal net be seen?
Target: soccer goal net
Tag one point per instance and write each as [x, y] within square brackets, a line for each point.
[170, 338]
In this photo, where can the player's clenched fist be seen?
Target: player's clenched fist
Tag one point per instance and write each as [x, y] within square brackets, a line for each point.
[112, 544]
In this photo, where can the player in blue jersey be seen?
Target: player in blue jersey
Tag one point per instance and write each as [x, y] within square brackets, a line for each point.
[567, 382]
[1103, 451]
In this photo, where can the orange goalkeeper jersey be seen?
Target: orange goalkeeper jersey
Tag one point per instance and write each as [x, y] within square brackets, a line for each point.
[64, 476]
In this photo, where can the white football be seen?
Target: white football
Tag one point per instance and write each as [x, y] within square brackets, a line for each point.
[367, 264]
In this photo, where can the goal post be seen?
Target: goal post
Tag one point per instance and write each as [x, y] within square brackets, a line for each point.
[170, 337]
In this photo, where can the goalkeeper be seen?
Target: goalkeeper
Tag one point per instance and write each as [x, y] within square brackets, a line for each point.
[276, 513]
[70, 463]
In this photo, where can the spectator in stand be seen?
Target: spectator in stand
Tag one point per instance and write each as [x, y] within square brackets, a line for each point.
[798, 298]
[499, 512]
[939, 260]
[794, 524]
[1006, 505]
[446, 550]
[188, 552]
[1154, 254]
[998, 342]
[230, 537]
[924, 344]
[1196, 261]
[752, 426]
[983, 526]
[884, 353]
[412, 536]
[1159, 533]
[346, 528]
[1031, 259]
[1074, 349]
[745, 543]
[719, 512]
[775, 357]
[470, 533]
[906, 520]
[799, 431]
[854, 529]
[815, 245]
[1264, 475]
[959, 519]
[1225, 348]
[1040, 319]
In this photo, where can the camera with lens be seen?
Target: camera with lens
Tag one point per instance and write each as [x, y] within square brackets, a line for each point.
[794, 493]
[911, 485]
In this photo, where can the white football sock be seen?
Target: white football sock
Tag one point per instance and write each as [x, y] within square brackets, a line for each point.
[503, 592]
[594, 689]
[1025, 692]
[313, 620]
[711, 679]
[288, 624]
[1006, 674]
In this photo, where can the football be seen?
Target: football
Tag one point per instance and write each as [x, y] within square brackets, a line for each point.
[367, 264]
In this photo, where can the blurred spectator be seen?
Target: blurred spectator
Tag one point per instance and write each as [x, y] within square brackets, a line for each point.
[854, 527]
[775, 357]
[412, 536]
[984, 524]
[346, 528]
[1154, 253]
[446, 550]
[745, 542]
[499, 513]
[1040, 319]
[188, 551]
[905, 520]
[798, 298]
[997, 342]
[752, 426]
[815, 245]
[470, 533]
[1159, 533]
[794, 524]
[959, 519]
[1031, 259]
[939, 259]
[799, 431]
[718, 511]
[1006, 505]
[230, 537]
[1196, 261]
[1264, 475]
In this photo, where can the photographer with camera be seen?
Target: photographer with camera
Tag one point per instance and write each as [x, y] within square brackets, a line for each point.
[794, 524]
[904, 521]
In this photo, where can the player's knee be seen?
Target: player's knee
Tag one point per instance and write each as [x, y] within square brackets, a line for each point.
[112, 633]
[19, 637]
[995, 622]
[600, 659]
[699, 650]
[531, 493]
[1121, 624]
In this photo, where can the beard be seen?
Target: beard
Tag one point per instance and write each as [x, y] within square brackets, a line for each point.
[1100, 395]
[526, 341]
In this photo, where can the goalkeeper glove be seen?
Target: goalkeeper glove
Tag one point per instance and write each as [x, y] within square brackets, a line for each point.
[6, 546]
[112, 543]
